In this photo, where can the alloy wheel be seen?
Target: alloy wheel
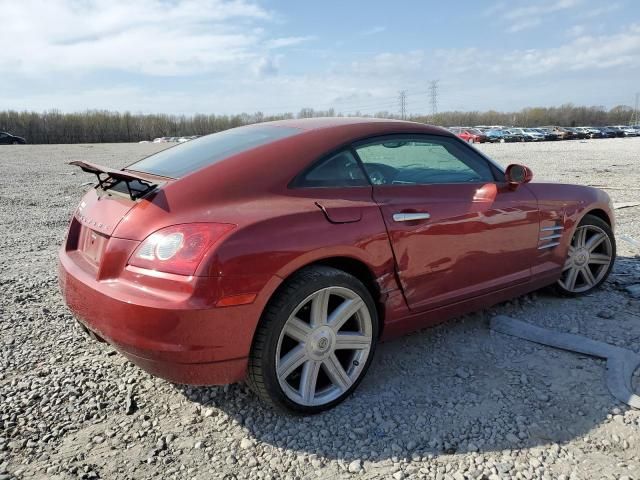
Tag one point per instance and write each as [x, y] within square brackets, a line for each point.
[590, 255]
[324, 346]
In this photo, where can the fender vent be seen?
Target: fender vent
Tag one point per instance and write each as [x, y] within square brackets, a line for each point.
[550, 236]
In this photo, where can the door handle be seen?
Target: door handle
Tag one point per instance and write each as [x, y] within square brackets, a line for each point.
[410, 217]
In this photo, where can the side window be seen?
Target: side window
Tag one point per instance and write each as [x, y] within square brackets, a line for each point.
[339, 170]
[422, 161]
[3, 135]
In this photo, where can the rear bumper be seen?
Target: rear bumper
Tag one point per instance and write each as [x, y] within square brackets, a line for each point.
[176, 337]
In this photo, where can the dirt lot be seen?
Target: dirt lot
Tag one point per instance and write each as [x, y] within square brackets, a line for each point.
[453, 402]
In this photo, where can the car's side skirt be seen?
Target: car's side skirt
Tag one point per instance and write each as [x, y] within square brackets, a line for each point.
[399, 320]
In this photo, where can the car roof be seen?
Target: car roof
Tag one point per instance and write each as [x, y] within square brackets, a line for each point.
[320, 123]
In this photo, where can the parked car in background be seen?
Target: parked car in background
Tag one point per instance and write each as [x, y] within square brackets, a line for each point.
[490, 127]
[582, 132]
[548, 134]
[8, 139]
[590, 132]
[500, 136]
[595, 132]
[618, 129]
[535, 134]
[527, 134]
[579, 134]
[471, 135]
[378, 228]
[607, 132]
[515, 134]
[561, 132]
[629, 131]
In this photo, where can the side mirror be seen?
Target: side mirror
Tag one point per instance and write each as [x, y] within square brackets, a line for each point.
[517, 174]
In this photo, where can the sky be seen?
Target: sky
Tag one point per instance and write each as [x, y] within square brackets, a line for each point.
[226, 57]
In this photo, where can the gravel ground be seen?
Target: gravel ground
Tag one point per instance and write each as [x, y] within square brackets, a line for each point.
[452, 402]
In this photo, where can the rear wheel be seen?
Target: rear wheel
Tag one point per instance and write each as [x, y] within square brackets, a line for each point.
[315, 341]
[590, 257]
[15, 142]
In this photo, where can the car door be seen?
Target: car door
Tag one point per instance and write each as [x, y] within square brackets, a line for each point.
[456, 229]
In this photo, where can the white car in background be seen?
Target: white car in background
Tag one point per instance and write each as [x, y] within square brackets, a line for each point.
[630, 131]
[627, 130]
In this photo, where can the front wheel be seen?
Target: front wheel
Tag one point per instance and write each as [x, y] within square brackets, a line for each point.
[590, 257]
[315, 341]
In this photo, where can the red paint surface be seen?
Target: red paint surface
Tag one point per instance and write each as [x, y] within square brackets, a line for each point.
[479, 247]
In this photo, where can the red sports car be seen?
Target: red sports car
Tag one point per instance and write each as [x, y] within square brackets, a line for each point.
[471, 135]
[280, 253]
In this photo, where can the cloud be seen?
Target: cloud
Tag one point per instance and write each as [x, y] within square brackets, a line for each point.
[604, 9]
[225, 56]
[524, 24]
[576, 30]
[390, 64]
[267, 66]
[287, 41]
[529, 16]
[153, 37]
[585, 52]
[582, 53]
[373, 31]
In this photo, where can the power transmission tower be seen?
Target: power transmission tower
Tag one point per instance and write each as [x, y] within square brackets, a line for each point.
[433, 88]
[635, 117]
[403, 104]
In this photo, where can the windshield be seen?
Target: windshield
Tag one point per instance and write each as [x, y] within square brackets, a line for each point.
[190, 156]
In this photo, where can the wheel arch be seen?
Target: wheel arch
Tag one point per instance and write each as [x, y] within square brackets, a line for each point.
[599, 213]
[351, 265]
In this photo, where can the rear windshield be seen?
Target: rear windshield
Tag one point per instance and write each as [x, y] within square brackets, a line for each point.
[190, 156]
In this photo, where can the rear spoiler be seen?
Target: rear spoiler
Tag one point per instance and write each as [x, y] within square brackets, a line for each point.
[137, 186]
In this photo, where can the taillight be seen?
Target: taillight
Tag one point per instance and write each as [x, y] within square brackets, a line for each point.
[178, 249]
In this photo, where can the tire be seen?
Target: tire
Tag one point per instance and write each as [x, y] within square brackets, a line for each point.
[590, 257]
[291, 340]
[15, 142]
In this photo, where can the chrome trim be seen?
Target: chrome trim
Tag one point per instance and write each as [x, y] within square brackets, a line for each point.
[549, 245]
[551, 237]
[550, 229]
[410, 217]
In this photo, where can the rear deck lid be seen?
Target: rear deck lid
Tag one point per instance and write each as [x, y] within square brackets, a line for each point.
[116, 193]
[102, 212]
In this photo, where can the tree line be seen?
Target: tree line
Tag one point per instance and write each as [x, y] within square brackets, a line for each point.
[98, 126]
